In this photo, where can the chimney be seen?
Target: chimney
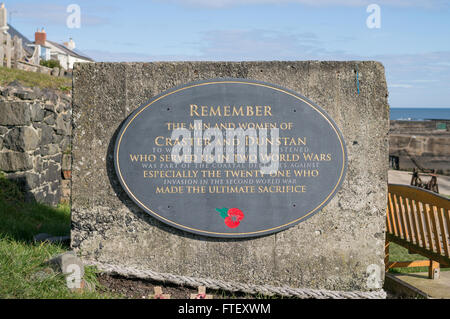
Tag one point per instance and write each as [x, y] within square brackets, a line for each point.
[70, 45]
[40, 37]
[3, 18]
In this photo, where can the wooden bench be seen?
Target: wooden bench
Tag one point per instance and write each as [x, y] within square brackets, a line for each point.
[418, 220]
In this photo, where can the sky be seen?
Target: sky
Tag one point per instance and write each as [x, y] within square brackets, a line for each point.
[411, 37]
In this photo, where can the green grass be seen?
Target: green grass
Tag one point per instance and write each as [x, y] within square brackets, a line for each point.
[20, 264]
[21, 259]
[34, 79]
[21, 221]
[398, 253]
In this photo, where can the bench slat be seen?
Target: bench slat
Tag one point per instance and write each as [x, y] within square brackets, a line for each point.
[414, 222]
[444, 231]
[421, 224]
[409, 230]
[390, 216]
[436, 236]
[418, 220]
[397, 216]
[426, 211]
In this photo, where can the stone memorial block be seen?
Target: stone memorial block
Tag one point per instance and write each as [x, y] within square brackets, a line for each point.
[159, 180]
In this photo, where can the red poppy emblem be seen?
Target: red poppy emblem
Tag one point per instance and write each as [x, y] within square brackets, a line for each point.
[232, 216]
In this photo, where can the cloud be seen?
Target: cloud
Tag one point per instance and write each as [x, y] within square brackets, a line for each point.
[430, 67]
[401, 86]
[43, 14]
[108, 56]
[349, 3]
[259, 44]
[423, 81]
[234, 45]
[420, 79]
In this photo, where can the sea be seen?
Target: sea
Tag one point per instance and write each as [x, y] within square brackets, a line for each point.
[420, 114]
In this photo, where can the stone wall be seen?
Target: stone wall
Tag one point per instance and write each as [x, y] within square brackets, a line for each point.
[335, 249]
[421, 143]
[21, 65]
[35, 129]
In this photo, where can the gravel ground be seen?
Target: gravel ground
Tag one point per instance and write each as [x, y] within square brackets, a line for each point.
[144, 289]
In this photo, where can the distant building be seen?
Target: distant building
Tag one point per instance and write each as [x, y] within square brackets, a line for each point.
[65, 53]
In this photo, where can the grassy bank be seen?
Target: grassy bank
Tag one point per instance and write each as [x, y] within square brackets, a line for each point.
[33, 79]
[22, 270]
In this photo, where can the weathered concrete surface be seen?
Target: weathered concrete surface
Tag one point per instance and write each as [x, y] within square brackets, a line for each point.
[331, 250]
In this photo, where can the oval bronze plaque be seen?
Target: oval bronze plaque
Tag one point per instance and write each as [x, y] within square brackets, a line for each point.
[227, 193]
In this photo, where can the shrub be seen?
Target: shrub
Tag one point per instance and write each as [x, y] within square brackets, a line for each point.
[50, 63]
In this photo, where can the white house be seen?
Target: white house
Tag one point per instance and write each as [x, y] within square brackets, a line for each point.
[65, 53]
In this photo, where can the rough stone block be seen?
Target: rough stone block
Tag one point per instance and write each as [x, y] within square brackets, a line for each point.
[50, 149]
[62, 127]
[47, 133]
[26, 180]
[66, 163]
[333, 250]
[50, 119]
[63, 262]
[15, 161]
[14, 113]
[11, 139]
[65, 188]
[37, 112]
[25, 95]
[22, 139]
[53, 173]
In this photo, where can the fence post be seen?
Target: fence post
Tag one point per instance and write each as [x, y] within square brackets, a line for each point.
[17, 51]
[35, 56]
[434, 270]
[2, 48]
[8, 50]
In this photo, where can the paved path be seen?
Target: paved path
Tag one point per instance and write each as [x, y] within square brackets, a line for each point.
[402, 177]
[439, 288]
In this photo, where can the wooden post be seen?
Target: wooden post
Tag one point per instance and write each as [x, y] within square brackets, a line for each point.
[18, 51]
[159, 293]
[386, 255]
[201, 294]
[434, 270]
[8, 50]
[2, 48]
[35, 57]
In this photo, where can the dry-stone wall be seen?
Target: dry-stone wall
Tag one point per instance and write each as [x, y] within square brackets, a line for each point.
[35, 129]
